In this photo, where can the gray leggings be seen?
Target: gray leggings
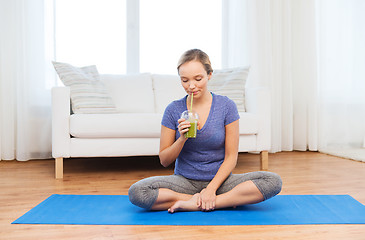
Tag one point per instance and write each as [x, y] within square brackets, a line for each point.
[145, 192]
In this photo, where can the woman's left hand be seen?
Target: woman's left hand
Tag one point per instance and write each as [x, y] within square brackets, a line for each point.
[207, 199]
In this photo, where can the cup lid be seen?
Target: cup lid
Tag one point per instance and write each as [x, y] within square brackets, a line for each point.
[190, 115]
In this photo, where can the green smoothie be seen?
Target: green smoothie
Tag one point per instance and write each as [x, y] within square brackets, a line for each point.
[192, 130]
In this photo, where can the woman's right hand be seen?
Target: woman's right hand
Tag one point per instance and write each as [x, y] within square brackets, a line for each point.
[183, 127]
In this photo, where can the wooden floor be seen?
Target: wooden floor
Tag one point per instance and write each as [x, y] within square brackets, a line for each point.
[25, 184]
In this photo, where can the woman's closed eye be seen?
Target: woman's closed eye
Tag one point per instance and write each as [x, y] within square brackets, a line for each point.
[199, 78]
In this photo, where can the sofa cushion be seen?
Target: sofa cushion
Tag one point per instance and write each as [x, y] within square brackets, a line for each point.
[132, 93]
[230, 83]
[249, 123]
[88, 93]
[167, 88]
[119, 125]
[136, 125]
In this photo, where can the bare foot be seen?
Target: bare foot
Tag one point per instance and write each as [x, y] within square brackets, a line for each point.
[184, 206]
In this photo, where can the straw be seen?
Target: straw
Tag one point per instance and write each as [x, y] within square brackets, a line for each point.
[191, 102]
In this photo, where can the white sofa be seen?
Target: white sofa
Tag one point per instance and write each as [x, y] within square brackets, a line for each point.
[135, 131]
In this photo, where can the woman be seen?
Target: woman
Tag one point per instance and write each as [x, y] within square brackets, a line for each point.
[203, 178]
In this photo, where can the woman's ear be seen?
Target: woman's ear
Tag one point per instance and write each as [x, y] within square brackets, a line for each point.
[210, 75]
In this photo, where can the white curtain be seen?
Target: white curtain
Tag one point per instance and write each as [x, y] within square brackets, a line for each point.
[235, 48]
[25, 80]
[311, 54]
[341, 35]
[282, 44]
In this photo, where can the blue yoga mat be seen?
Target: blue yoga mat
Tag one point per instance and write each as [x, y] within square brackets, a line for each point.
[117, 210]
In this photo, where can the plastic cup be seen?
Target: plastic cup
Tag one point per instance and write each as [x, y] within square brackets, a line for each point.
[193, 118]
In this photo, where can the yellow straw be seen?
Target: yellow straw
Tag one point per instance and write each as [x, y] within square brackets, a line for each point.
[191, 102]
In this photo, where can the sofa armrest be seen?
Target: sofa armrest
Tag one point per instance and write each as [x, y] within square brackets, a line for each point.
[258, 101]
[60, 122]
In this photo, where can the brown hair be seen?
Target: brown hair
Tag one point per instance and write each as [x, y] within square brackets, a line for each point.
[196, 55]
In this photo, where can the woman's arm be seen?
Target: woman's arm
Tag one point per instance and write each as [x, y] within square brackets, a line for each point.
[169, 148]
[229, 163]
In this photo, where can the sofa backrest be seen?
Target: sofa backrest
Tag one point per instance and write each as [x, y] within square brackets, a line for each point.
[143, 93]
[132, 93]
[167, 88]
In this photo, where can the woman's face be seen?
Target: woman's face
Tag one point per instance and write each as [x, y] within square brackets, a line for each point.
[194, 78]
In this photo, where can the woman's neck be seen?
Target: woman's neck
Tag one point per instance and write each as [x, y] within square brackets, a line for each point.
[201, 101]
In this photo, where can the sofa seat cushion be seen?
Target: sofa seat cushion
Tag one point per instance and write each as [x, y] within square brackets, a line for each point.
[120, 125]
[249, 123]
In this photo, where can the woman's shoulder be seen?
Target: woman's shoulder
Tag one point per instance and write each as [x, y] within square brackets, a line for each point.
[172, 113]
[176, 104]
[224, 104]
[221, 99]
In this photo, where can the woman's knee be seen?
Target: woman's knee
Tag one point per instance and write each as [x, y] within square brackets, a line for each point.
[142, 194]
[276, 182]
[269, 184]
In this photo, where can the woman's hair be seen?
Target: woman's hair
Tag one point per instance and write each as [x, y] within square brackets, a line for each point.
[196, 55]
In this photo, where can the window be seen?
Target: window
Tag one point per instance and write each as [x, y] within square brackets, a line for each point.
[95, 32]
[91, 32]
[169, 28]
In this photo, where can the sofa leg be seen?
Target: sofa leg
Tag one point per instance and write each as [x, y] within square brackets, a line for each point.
[264, 157]
[59, 168]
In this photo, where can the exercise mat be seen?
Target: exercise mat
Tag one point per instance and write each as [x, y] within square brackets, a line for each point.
[117, 210]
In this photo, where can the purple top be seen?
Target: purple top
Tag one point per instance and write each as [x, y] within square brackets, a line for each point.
[201, 157]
